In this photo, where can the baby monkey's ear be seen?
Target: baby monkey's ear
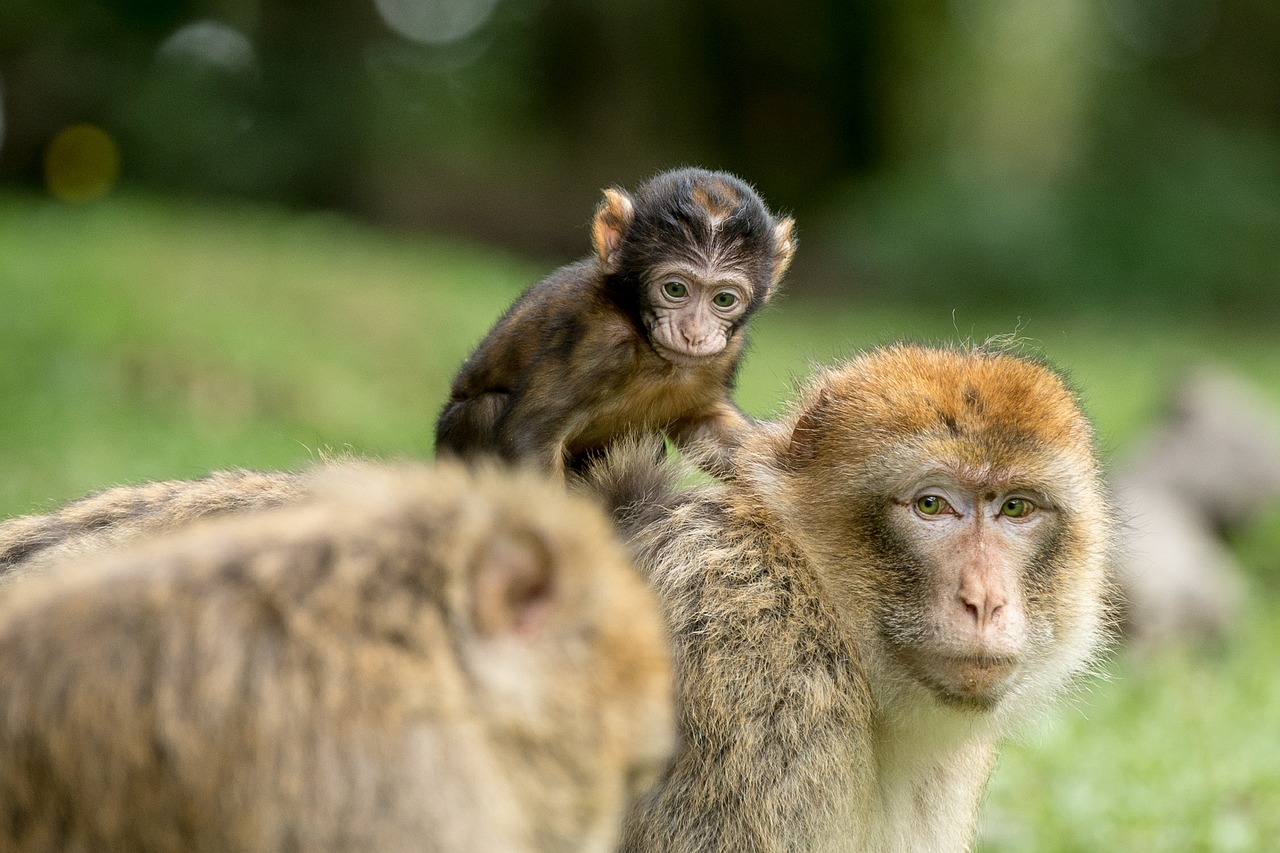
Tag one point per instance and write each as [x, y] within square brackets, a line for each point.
[784, 248]
[609, 228]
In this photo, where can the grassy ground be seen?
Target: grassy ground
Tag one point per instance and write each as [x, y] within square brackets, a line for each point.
[141, 340]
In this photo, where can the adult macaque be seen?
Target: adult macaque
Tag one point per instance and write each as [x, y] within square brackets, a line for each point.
[645, 334]
[405, 660]
[891, 580]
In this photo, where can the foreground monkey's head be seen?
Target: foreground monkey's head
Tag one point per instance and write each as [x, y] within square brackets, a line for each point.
[690, 257]
[958, 491]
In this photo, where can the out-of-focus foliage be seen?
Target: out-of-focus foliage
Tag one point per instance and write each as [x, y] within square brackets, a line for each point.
[1121, 153]
[1029, 153]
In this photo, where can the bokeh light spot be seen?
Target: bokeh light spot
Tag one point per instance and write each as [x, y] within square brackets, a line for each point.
[81, 164]
[210, 45]
[435, 21]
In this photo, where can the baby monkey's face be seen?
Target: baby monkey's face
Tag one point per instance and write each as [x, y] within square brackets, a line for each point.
[694, 311]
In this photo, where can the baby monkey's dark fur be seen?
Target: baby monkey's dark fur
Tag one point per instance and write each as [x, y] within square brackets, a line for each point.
[645, 334]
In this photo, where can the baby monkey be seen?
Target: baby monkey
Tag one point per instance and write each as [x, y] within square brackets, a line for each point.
[645, 334]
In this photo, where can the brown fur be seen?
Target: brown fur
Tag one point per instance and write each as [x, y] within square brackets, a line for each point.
[576, 361]
[409, 659]
[811, 616]
[108, 518]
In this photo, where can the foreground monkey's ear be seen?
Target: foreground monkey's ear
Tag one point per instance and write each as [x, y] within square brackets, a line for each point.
[609, 228]
[784, 247]
[513, 589]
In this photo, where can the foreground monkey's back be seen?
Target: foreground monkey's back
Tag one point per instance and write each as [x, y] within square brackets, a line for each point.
[906, 569]
[96, 523]
[407, 659]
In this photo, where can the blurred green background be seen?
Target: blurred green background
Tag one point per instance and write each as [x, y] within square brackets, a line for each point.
[254, 232]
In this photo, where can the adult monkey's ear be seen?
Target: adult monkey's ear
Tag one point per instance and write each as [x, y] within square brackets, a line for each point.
[802, 449]
[613, 219]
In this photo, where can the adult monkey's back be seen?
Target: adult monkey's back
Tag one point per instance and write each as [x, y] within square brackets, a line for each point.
[892, 579]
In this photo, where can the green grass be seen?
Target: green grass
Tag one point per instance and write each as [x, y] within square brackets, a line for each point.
[144, 340]
[1179, 752]
[141, 340]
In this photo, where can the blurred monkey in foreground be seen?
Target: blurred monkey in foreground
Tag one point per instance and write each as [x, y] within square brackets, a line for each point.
[407, 659]
[892, 579]
[645, 334]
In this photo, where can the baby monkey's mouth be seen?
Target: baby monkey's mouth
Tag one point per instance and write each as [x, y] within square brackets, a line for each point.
[684, 358]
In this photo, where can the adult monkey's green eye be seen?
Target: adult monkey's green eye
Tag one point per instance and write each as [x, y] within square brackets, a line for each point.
[725, 299]
[1016, 508]
[675, 289]
[930, 505]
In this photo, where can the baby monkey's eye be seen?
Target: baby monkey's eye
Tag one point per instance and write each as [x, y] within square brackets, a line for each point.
[1016, 508]
[930, 505]
[725, 299]
[675, 289]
